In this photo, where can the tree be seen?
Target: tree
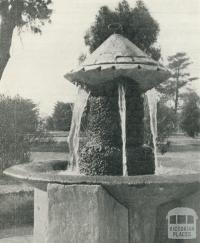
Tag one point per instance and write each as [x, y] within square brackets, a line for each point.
[166, 121]
[19, 13]
[49, 123]
[190, 116]
[62, 116]
[18, 118]
[178, 65]
[137, 25]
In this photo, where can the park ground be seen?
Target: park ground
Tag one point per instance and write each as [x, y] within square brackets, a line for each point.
[17, 198]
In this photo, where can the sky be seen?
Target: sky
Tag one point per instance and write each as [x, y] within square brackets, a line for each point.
[38, 62]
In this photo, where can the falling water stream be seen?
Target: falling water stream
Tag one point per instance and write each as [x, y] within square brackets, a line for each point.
[122, 111]
[152, 99]
[73, 139]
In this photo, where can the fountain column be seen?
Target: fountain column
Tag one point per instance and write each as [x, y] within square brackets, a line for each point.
[140, 158]
[102, 153]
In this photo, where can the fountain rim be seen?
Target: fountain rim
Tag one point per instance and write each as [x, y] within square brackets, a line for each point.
[29, 172]
[142, 66]
[101, 74]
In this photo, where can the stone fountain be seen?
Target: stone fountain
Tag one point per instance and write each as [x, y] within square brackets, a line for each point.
[114, 195]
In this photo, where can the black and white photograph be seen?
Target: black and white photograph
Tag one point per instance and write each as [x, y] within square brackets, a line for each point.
[99, 121]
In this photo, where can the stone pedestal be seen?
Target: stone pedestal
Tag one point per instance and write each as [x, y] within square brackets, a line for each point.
[142, 224]
[41, 216]
[72, 214]
[111, 209]
[90, 214]
[193, 201]
[162, 224]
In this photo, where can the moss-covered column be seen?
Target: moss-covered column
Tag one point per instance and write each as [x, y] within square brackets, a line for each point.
[140, 158]
[102, 153]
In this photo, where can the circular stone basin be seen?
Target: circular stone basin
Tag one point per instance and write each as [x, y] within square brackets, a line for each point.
[128, 190]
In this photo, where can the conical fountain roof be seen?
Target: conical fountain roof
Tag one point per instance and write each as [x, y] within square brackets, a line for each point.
[117, 57]
[117, 49]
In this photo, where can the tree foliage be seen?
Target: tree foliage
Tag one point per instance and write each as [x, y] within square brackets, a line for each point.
[137, 25]
[190, 116]
[49, 123]
[61, 118]
[18, 118]
[166, 121]
[18, 13]
[32, 13]
[178, 65]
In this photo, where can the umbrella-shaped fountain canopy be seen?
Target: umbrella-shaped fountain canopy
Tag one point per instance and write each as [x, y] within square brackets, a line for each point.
[118, 57]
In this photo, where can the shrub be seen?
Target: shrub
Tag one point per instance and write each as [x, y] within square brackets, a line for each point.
[18, 117]
[190, 117]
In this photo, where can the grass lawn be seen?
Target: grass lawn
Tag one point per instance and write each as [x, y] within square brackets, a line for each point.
[181, 160]
[184, 154]
[45, 156]
[17, 235]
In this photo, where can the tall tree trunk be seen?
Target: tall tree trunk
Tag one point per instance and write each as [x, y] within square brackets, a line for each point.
[176, 98]
[176, 102]
[177, 93]
[6, 32]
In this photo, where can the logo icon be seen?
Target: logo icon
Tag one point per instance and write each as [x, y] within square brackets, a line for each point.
[182, 223]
